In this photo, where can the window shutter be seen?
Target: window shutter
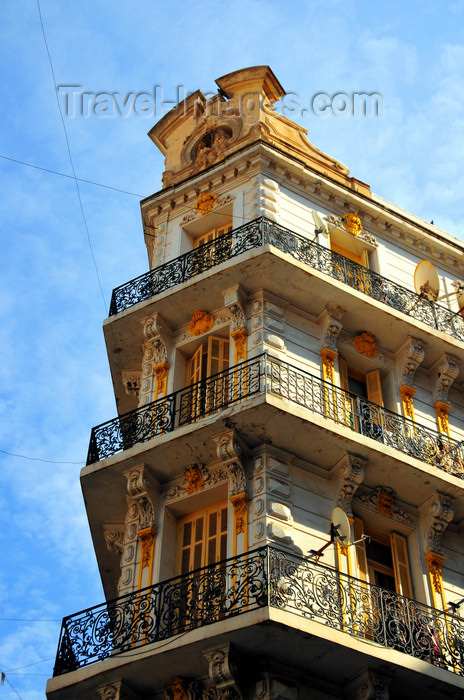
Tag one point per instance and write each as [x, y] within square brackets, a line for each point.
[374, 387]
[218, 355]
[358, 531]
[401, 564]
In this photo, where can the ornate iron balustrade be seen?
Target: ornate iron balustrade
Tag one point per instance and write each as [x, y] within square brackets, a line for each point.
[262, 232]
[266, 374]
[365, 417]
[174, 410]
[264, 577]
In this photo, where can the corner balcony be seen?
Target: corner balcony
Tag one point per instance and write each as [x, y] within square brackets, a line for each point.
[267, 376]
[263, 232]
[264, 602]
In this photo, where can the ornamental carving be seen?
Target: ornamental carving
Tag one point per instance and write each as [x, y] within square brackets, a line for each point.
[223, 671]
[442, 409]
[209, 479]
[352, 223]
[161, 379]
[237, 317]
[434, 564]
[382, 499]
[117, 690]
[369, 685]
[131, 381]
[147, 539]
[182, 689]
[240, 341]
[385, 501]
[143, 488]
[328, 369]
[205, 203]
[201, 322]
[407, 398]
[114, 538]
[348, 475]
[436, 513]
[228, 445]
[240, 505]
[443, 374]
[330, 330]
[211, 148]
[365, 344]
[194, 479]
[409, 357]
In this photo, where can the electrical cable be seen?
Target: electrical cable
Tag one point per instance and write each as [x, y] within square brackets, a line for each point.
[55, 172]
[70, 156]
[4, 678]
[37, 459]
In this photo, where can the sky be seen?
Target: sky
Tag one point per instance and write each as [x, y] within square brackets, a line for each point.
[60, 261]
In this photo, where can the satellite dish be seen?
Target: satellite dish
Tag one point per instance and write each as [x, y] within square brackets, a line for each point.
[341, 526]
[320, 228]
[426, 282]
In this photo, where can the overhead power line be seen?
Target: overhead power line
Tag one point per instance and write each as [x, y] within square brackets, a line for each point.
[71, 177]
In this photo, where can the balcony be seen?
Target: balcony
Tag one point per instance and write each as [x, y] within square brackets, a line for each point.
[262, 232]
[268, 376]
[263, 578]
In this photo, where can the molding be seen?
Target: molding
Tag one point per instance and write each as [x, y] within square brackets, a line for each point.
[383, 500]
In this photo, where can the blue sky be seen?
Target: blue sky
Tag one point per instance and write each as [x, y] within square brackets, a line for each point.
[55, 384]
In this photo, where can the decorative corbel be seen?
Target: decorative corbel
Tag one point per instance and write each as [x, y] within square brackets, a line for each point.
[369, 685]
[330, 329]
[114, 537]
[155, 358]
[182, 689]
[224, 671]
[443, 374]
[348, 474]
[408, 359]
[131, 381]
[436, 513]
[117, 690]
[143, 488]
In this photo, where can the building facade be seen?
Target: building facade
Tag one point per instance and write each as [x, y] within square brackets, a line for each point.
[277, 511]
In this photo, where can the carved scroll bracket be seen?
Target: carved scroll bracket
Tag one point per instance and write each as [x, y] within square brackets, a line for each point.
[369, 685]
[224, 666]
[158, 334]
[117, 690]
[408, 359]
[114, 537]
[234, 301]
[330, 326]
[348, 474]
[144, 489]
[436, 513]
[443, 374]
[230, 449]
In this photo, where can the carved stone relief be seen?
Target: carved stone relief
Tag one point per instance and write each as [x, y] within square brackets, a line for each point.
[436, 514]
[443, 374]
[114, 537]
[347, 476]
[408, 359]
[382, 499]
[369, 685]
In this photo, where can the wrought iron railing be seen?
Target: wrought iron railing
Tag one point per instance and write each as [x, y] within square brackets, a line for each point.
[262, 232]
[264, 577]
[266, 374]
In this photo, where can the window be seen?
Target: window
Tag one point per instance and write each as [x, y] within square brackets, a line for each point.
[202, 538]
[206, 396]
[212, 235]
[384, 560]
[367, 385]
